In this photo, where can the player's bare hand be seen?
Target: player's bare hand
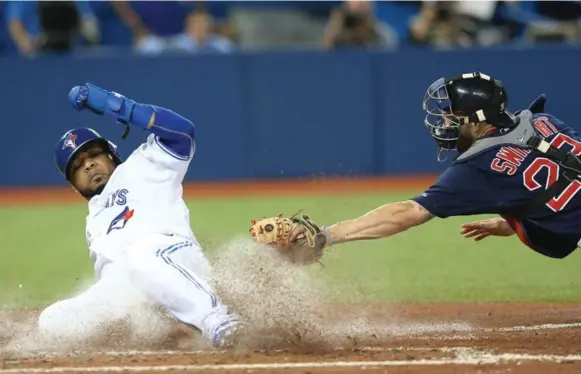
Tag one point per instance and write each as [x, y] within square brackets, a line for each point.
[297, 232]
[482, 229]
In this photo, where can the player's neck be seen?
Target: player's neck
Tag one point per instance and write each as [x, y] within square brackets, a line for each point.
[484, 130]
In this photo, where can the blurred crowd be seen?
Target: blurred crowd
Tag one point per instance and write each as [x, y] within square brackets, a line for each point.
[32, 28]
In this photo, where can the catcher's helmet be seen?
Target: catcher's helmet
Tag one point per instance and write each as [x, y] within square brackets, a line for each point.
[73, 140]
[468, 98]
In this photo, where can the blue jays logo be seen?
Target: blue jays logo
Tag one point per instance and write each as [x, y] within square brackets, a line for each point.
[70, 141]
[121, 220]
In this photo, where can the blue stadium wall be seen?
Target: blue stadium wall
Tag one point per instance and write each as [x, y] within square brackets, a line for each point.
[271, 115]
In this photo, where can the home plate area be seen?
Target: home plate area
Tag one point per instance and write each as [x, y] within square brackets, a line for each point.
[422, 338]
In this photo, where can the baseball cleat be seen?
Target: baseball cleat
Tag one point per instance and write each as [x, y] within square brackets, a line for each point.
[230, 337]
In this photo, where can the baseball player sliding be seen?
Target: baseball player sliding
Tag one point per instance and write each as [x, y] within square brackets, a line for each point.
[138, 229]
[523, 166]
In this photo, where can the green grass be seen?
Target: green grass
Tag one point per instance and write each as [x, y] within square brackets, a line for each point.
[44, 250]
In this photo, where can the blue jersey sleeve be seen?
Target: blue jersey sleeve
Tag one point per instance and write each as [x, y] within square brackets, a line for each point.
[460, 190]
[175, 134]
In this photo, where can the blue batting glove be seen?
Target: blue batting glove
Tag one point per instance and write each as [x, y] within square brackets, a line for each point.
[89, 96]
[78, 97]
[101, 101]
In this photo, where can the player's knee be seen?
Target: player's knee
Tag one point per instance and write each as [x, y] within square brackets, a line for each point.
[53, 320]
[63, 320]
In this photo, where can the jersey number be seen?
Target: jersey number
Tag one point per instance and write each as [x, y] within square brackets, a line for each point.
[557, 203]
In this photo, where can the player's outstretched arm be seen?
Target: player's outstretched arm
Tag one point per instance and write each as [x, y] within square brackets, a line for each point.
[175, 133]
[301, 240]
[381, 222]
[485, 228]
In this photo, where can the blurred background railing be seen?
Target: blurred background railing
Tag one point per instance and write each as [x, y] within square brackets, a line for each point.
[277, 89]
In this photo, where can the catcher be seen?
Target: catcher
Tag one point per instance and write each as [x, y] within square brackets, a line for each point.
[522, 166]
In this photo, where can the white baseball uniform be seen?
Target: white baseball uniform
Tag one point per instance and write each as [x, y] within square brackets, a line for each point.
[143, 248]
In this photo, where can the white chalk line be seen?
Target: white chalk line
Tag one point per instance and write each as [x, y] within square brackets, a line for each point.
[474, 359]
[470, 333]
[548, 326]
[471, 330]
[130, 353]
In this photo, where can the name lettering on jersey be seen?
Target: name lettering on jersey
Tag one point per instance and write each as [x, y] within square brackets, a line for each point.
[118, 197]
[544, 126]
[508, 159]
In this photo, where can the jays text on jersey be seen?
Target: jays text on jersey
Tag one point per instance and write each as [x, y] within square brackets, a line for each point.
[501, 178]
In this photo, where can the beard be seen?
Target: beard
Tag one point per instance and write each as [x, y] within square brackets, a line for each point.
[88, 194]
[463, 143]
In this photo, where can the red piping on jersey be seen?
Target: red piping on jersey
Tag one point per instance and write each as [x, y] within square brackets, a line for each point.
[518, 229]
[489, 132]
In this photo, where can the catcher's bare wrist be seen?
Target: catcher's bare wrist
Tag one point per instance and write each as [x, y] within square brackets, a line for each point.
[329, 241]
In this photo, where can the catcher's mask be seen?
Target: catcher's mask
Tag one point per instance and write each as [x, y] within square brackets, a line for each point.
[454, 102]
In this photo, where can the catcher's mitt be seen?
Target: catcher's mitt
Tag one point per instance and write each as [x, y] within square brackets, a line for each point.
[305, 249]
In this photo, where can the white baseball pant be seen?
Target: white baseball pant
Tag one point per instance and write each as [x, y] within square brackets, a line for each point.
[166, 271]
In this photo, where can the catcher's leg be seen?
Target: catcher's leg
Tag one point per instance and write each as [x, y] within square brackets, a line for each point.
[83, 316]
[176, 274]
